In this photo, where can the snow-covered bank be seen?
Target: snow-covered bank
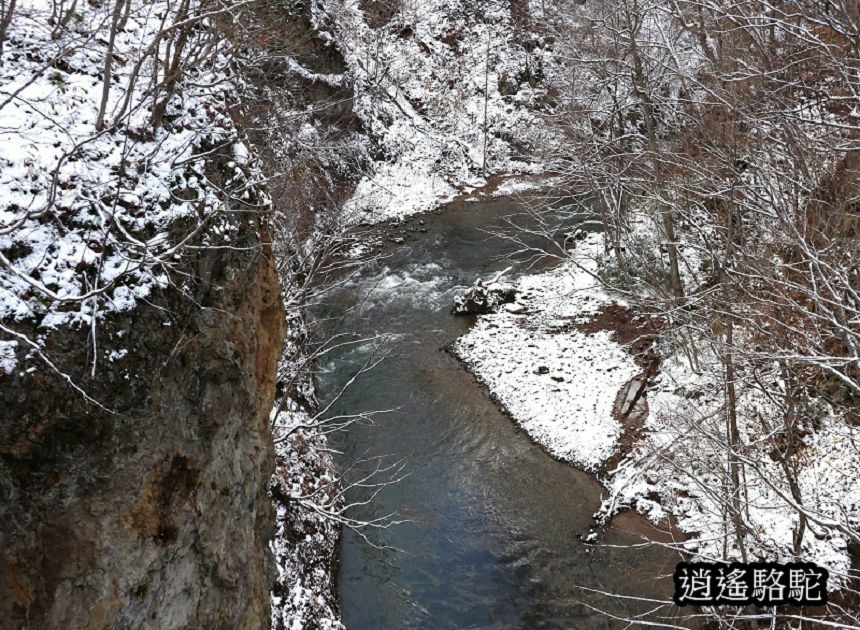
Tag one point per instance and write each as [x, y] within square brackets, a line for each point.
[305, 545]
[306, 491]
[425, 82]
[675, 469]
[557, 382]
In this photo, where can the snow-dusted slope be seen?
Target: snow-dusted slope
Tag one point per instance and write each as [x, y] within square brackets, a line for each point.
[91, 221]
[675, 469]
[420, 82]
[96, 222]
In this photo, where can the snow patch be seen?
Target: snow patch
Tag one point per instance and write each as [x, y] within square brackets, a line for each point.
[88, 218]
[558, 383]
[8, 361]
[424, 86]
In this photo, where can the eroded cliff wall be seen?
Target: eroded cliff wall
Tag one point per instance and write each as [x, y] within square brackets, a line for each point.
[155, 515]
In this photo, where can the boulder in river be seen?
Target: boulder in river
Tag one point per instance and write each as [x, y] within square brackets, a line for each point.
[483, 298]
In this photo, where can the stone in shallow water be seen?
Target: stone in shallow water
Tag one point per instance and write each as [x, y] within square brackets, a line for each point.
[481, 298]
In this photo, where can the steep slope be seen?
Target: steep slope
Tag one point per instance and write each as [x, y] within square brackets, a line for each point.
[157, 514]
[446, 92]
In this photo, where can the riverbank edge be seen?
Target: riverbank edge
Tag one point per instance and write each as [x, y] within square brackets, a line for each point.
[663, 532]
[629, 331]
[306, 492]
[662, 522]
[518, 188]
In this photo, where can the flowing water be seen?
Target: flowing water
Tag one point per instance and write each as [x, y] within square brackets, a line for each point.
[493, 538]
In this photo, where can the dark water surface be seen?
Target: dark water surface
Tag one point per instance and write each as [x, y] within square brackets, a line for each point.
[492, 538]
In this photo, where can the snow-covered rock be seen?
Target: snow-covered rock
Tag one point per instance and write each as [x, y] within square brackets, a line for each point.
[481, 298]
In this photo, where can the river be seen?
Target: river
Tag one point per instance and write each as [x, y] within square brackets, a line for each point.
[494, 529]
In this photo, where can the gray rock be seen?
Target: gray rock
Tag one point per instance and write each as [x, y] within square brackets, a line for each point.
[482, 298]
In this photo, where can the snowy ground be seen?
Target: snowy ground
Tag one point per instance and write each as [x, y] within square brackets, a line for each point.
[557, 382]
[559, 385]
[420, 83]
[517, 185]
[678, 465]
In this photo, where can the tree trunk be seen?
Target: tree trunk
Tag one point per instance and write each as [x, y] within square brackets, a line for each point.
[6, 11]
[106, 79]
[640, 84]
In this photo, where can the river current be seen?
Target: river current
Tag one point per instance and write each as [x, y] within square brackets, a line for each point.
[494, 527]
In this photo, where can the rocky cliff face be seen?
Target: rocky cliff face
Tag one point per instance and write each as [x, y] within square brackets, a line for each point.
[155, 514]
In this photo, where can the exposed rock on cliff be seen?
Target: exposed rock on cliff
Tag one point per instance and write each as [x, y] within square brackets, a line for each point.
[157, 515]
